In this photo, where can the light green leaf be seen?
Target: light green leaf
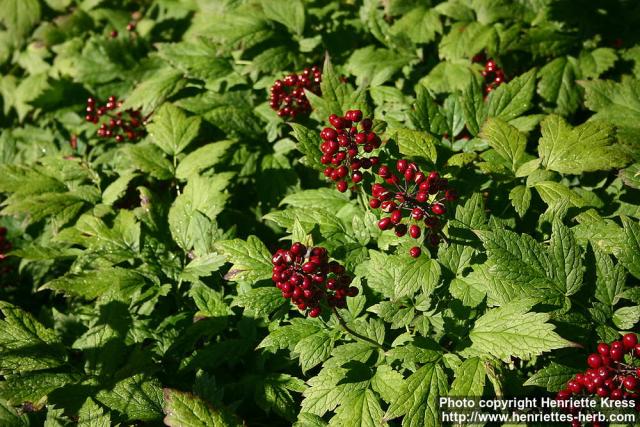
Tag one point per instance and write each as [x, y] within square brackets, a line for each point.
[418, 398]
[198, 59]
[505, 139]
[188, 410]
[152, 92]
[251, 259]
[470, 379]
[92, 415]
[262, 301]
[588, 147]
[314, 349]
[33, 387]
[289, 335]
[464, 40]
[329, 389]
[596, 62]
[610, 279]
[558, 85]
[288, 13]
[567, 258]
[172, 130]
[520, 197]
[202, 158]
[137, 398]
[308, 144]
[512, 99]
[117, 188]
[553, 377]
[629, 254]
[93, 284]
[374, 66]
[151, 160]
[19, 17]
[554, 192]
[513, 331]
[414, 143]
[359, 409]
[626, 317]
[420, 24]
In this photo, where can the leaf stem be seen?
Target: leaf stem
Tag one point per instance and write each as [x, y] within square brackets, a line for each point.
[354, 333]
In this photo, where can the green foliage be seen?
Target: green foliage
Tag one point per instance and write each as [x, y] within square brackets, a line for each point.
[137, 287]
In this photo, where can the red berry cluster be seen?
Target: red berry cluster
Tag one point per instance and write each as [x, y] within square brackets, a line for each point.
[414, 196]
[5, 246]
[113, 123]
[307, 278]
[340, 148]
[493, 75]
[288, 97]
[608, 374]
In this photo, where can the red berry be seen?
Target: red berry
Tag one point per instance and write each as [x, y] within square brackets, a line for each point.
[415, 251]
[630, 383]
[603, 349]
[616, 354]
[401, 165]
[400, 230]
[414, 231]
[396, 216]
[374, 203]
[574, 386]
[366, 124]
[385, 223]
[314, 312]
[629, 341]
[594, 360]
[341, 186]
[617, 345]
[438, 208]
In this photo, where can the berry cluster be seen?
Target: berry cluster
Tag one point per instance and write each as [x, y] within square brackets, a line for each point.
[113, 123]
[308, 278]
[412, 196]
[340, 148]
[288, 97]
[608, 374]
[5, 246]
[493, 75]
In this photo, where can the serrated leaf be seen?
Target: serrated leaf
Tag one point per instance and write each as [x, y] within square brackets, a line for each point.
[610, 279]
[151, 160]
[626, 317]
[93, 284]
[289, 335]
[588, 147]
[202, 158]
[596, 62]
[274, 393]
[25, 344]
[152, 92]
[19, 17]
[414, 143]
[512, 99]
[464, 40]
[514, 331]
[470, 379]
[137, 397]
[290, 13]
[329, 388]
[197, 59]
[314, 349]
[172, 130]
[553, 377]
[558, 85]
[32, 387]
[420, 24]
[387, 382]
[520, 197]
[308, 144]
[188, 410]
[117, 188]
[508, 142]
[374, 66]
[251, 259]
[92, 415]
[418, 398]
[262, 301]
[360, 409]
[554, 192]
[629, 254]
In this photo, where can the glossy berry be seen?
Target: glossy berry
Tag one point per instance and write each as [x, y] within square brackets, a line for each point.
[343, 147]
[287, 96]
[594, 361]
[629, 341]
[307, 277]
[415, 251]
[127, 125]
[603, 349]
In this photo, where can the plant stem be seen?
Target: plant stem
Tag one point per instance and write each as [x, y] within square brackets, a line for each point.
[354, 333]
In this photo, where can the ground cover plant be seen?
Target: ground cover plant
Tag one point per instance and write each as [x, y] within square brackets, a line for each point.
[314, 212]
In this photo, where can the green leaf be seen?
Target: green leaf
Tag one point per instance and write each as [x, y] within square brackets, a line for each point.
[520, 197]
[171, 130]
[92, 415]
[187, 410]
[554, 192]
[314, 349]
[202, 266]
[567, 258]
[359, 409]
[117, 188]
[448, 77]
[629, 254]
[464, 40]
[610, 279]
[506, 140]
[289, 335]
[470, 379]
[420, 24]
[137, 397]
[308, 144]
[387, 382]
[558, 85]
[513, 331]
[511, 100]
[588, 147]
[427, 115]
[374, 66]
[25, 344]
[626, 317]
[262, 301]
[334, 92]
[274, 393]
[202, 158]
[34, 387]
[152, 92]
[418, 398]
[414, 143]
[210, 303]
[553, 377]
[251, 259]
[596, 62]
[289, 13]
[93, 284]
[10, 417]
[318, 198]
[19, 17]
[197, 59]
[150, 159]
[631, 176]
[329, 389]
